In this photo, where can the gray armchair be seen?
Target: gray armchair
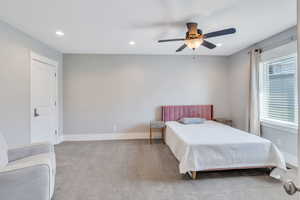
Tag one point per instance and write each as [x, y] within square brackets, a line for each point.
[29, 174]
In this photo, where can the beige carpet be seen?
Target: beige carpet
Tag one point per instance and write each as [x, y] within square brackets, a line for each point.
[136, 170]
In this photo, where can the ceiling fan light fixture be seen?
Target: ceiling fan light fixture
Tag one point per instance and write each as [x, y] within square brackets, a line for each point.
[194, 37]
[193, 43]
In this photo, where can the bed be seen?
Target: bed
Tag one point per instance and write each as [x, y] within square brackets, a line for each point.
[212, 146]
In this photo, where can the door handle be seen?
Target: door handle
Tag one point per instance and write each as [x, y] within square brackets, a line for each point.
[35, 113]
[290, 187]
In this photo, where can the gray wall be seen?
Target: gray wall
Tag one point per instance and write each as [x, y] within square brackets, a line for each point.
[285, 139]
[239, 88]
[238, 71]
[126, 91]
[239, 80]
[15, 48]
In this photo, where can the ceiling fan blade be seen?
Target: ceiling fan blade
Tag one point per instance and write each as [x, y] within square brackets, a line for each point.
[208, 44]
[172, 40]
[181, 48]
[220, 33]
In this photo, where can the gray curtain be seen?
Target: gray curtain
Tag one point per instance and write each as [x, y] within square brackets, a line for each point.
[253, 108]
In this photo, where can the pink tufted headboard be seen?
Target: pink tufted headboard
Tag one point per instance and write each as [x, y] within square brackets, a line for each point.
[174, 113]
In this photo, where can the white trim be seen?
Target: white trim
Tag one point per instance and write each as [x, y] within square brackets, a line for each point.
[109, 136]
[279, 123]
[280, 126]
[60, 139]
[53, 63]
[43, 59]
[272, 122]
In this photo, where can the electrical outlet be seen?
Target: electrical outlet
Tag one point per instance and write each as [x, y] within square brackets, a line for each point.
[114, 128]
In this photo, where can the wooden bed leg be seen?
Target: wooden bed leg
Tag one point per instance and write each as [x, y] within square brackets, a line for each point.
[194, 175]
[163, 135]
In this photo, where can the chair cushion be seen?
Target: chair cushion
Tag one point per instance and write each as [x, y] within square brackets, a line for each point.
[3, 152]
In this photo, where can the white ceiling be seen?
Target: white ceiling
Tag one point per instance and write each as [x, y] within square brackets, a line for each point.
[106, 26]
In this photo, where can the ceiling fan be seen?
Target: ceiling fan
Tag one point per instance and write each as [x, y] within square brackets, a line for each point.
[194, 37]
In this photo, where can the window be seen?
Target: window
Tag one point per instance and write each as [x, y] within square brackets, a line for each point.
[278, 90]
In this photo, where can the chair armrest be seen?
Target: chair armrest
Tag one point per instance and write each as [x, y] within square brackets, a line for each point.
[30, 179]
[29, 150]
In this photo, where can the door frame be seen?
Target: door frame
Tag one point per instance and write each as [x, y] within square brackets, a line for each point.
[36, 57]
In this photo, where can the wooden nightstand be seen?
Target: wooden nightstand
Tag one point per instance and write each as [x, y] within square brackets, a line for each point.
[157, 125]
[224, 121]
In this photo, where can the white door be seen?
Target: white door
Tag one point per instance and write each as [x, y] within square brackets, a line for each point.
[44, 118]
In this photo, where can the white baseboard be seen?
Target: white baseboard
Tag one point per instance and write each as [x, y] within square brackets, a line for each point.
[290, 159]
[60, 139]
[109, 136]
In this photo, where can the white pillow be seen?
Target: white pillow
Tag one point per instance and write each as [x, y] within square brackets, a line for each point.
[3, 152]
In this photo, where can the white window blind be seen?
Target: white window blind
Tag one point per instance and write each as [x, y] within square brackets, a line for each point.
[278, 89]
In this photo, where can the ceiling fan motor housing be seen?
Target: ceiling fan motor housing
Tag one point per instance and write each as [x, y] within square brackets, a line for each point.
[191, 25]
[192, 29]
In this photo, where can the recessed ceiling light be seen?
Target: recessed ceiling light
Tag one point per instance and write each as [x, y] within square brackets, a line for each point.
[219, 44]
[132, 42]
[59, 33]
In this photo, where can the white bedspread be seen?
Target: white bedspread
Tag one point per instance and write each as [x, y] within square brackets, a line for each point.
[212, 145]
